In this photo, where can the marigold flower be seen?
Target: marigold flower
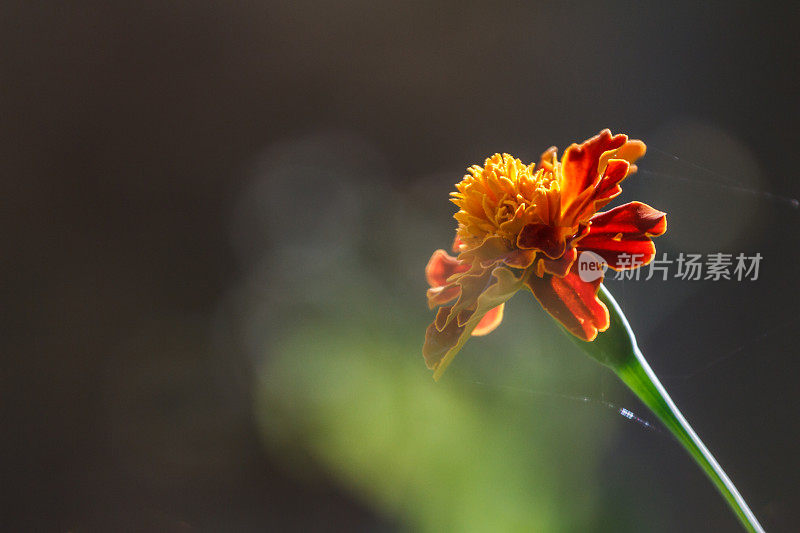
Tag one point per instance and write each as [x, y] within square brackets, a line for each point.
[523, 226]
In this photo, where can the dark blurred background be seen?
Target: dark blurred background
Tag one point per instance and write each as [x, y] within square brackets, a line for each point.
[215, 219]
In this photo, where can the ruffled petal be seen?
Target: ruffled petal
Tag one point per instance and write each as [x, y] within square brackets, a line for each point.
[491, 250]
[521, 259]
[453, 326]
[472, 284]
[441, 266]
[622, 235]
[439, 341]
[631, 151]
[489, 322]
[573, 302]
[580, 163]
[558, 267]
[608, 187]
[441, 295]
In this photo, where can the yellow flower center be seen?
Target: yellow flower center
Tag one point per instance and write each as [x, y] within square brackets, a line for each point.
[503, 196]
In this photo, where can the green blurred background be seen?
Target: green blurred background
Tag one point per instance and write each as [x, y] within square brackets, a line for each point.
[217, 218]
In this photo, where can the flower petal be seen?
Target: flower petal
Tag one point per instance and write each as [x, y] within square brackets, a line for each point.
[580, 163]
[625, 230]
[573, 302]
[472, 284]
[616, 165]
[439, 341]
[441, 266]
[631, 151]
[542, 237]
[452, 327]
[521, 259]
[548, 159]
[561, 266]
[442, 295]
[633, 217]
[489, 322]
[608, 187]
[491, 250]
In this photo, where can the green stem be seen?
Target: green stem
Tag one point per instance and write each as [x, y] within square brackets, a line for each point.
[617, 349]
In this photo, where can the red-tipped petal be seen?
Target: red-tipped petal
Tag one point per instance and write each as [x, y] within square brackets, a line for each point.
[608, 188]
[631, 218]
[573, 302]
[489, 322]
[621, 236]
[441, 266]
[580, 162]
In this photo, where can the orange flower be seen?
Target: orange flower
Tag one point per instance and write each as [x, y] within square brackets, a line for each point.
[523, 226]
